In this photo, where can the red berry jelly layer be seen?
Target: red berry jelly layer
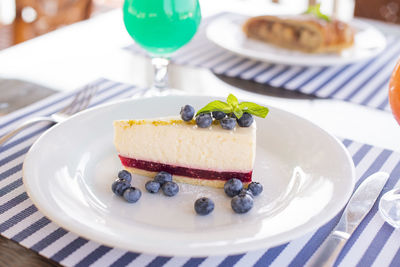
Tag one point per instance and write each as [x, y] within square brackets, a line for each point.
[183, 171]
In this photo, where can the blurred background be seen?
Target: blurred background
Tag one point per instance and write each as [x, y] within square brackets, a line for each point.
[21, 20]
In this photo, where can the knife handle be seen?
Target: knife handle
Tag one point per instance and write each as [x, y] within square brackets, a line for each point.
[329, 250]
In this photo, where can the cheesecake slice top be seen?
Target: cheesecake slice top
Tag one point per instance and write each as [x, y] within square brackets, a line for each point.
[172, 141]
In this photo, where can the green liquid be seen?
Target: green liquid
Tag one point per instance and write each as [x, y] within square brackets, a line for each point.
[161, 26]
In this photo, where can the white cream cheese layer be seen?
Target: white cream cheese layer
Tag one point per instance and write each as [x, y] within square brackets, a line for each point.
[172, 141]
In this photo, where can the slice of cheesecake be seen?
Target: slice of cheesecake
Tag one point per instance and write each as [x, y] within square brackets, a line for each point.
[200, 156]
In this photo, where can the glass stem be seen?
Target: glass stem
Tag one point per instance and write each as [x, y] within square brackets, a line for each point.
[160, 66]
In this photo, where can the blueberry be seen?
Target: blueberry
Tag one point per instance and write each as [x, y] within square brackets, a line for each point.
[242, 203]
[170, 189]
[187, 113]
[255, 188]
[119, 186]
[246, 120]
[245, 191]
[218, 115]
[228, 123]
[124, 174]
[203, 206]
[163, 177]
[204, 120]
[233, 187]
[152, 186]
[132, 194]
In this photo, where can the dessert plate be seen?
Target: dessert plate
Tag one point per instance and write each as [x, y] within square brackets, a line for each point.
[227, 33]
[307, 175]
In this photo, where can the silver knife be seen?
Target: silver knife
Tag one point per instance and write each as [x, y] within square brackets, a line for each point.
[358, 206]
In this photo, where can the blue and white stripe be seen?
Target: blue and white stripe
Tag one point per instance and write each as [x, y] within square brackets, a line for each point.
[373, 243]
[364, 83]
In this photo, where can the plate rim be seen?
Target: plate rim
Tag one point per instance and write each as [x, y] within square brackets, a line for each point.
[305, 63]
[171, 252]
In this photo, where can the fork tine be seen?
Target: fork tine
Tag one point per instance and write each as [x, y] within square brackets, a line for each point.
[73, 103]
[92, 93]
[89, 92]
[74, 108]
[76, 104]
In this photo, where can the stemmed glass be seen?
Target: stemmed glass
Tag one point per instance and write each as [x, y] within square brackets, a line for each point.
[161, 27]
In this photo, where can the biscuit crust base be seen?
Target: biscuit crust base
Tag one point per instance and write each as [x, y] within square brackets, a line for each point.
[183, 179]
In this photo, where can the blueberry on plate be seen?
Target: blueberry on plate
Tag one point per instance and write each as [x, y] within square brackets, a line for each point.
[218, 115]
[204, 120]
[246, 120]
[170, 189]
[255, 188]
[124, 174]
[152, 186]
[163, 177]
[119, 186]
[203, 206]
[242, 203]
[187, 113]
[245, 191]
[233, 187]
[132, 194]
[228, 123]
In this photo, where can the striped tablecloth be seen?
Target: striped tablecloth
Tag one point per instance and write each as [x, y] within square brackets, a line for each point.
[364, 83]
[373, 243]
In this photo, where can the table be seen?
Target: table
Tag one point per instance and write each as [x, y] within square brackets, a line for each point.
[75, 55]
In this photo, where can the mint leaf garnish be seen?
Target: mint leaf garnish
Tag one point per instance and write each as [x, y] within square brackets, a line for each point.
[232, 105]
[238, 112]
[232, 100]
[254, 109]
[316, 11]
[216, 105]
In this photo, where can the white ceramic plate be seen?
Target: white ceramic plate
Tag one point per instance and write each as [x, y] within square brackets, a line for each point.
[307, 176]
[227, 33]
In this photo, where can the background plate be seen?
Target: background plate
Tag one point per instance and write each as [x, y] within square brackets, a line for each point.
[227, 33]
[307, 175]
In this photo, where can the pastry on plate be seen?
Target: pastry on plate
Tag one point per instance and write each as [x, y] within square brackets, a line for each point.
[307, 32]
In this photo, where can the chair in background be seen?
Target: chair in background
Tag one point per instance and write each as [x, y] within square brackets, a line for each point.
[36, 17]
[385, 10]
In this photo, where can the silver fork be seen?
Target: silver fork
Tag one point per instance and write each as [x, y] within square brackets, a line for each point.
[79, 103]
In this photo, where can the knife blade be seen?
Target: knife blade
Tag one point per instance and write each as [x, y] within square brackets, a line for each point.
[356, 209]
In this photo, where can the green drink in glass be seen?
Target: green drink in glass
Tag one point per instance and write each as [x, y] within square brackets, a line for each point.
[161, 27]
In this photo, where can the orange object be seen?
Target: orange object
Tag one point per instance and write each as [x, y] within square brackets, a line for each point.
[394, 92]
